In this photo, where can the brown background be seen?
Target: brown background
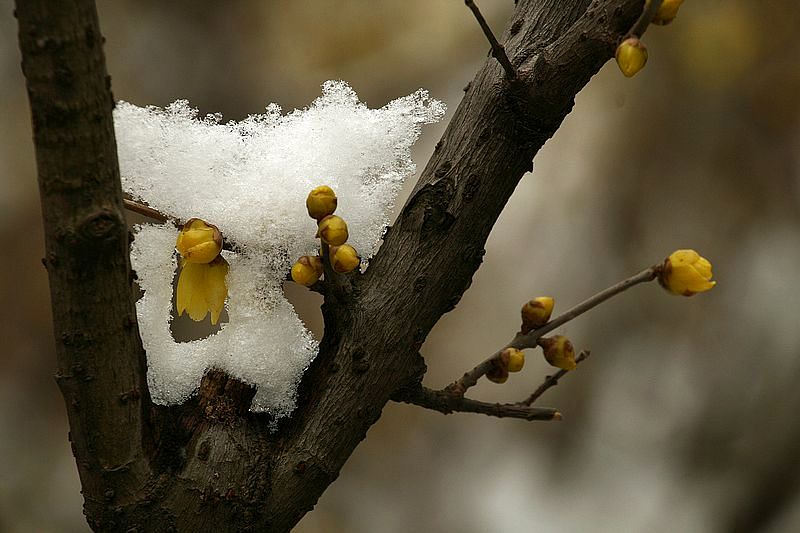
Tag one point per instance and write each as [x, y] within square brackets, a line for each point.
[685, 418]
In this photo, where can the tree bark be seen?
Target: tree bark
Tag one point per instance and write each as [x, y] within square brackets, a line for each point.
[101, 365]
[209, 464]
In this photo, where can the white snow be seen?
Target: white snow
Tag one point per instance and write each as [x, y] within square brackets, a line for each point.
[251, 179]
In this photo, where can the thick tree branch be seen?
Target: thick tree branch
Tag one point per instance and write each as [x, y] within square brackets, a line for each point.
[101, 366]
[448, 403]
[430, 254]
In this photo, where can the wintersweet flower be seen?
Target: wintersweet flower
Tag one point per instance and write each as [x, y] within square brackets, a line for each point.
[202, 289]
[307, 270]
[321, 202]
[344, 258]
[667, 12]
[559, 352]
[199, 241]
[333, 230]
[497, 374]
[536, 313]
[685, 272]
[631, 56]
[512, 359]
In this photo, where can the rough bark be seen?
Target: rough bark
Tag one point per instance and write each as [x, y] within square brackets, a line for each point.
[209, 465]
[100, 357]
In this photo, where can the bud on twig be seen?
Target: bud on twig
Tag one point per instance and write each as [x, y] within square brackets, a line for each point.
[512, 359]
[498, 374]
[344, 258]
[307, 270]
[685, 272]
[631, 56]
[333, 230]
[199, 241]
[667, 12]
[559, 352]
[321, 202]
[536, 313]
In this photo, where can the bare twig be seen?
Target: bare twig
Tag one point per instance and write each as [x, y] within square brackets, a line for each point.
[498, 50]
[146, 211]
[149, 212]
[552, 381]
[529, 340]
[446, 403]
[649, 11]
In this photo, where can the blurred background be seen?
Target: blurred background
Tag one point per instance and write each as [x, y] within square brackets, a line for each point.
[685, 418]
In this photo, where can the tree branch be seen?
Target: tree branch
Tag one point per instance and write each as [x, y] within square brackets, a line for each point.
[448, 403]
[650, 10]
[101, 364]
[498, 52]
[552, 381]
[530, 340]
[147, 211]
[231, 472]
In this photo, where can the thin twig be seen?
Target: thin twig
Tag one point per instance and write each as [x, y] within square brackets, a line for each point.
[649, 11]
[529, 340]
[146, 211]
[149, 212]
[498, 50]
[447, 403]
[552, 381]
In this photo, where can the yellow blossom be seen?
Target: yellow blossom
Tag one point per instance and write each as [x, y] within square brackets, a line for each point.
[536, 313]
[631, 56]
[307, 270]
[199, 241]
[333, 230]
[344, 258]
[321, 202]
[202, 288]
[667, 12]
[686, 273]
[512, 359]
[558, 351]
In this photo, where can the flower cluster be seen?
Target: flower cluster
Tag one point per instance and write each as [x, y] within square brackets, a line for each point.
[683, 272]
[332, 231]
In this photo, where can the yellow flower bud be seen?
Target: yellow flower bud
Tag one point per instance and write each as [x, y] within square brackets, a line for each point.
[307, 270]
[558, 351]
[333, 230]
[344, 258]
[686, 273]
[512, 359]
[497, 374]
[199, 241]
[321, 202]
[631, 56]
[667, 12]
[536, 313]
[202, 288]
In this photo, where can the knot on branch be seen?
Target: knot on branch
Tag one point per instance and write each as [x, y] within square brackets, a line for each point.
[102, 225]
